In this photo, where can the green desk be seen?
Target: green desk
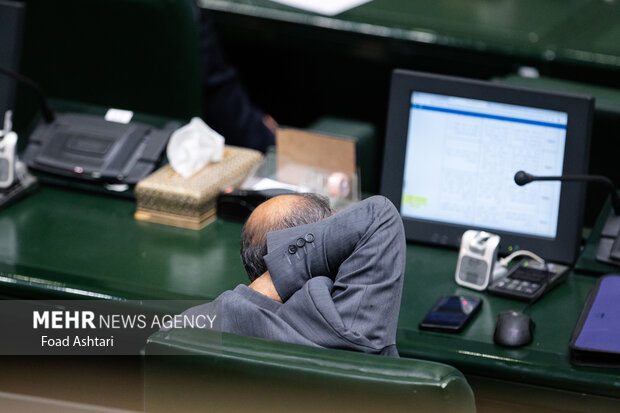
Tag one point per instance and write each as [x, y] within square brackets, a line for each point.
[430, 274]
[574, 31]
[61, 243]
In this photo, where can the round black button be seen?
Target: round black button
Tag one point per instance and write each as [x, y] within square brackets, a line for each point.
[292, 249]
[300, 242]
[309, 238]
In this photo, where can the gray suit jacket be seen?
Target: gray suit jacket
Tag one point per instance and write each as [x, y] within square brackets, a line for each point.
[340, 280]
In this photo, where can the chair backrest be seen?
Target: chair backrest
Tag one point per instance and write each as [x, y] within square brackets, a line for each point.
[140, 55]
[194, 369]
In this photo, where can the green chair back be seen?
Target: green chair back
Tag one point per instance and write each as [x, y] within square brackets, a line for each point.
[194, 370]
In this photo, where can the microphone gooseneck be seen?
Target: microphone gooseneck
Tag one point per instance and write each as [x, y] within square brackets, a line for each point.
[522, 178]
[48, 114]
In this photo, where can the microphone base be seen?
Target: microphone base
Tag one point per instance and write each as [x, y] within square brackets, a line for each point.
[18, 190]
[608, 250]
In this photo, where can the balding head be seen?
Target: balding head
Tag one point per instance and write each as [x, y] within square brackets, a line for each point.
[284, 211]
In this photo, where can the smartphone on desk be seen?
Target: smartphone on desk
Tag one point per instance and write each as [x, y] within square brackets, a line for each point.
[451, 314]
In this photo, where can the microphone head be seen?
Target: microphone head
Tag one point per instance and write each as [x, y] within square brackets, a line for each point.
[522, 178]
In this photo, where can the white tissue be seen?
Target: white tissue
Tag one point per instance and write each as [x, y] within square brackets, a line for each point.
[193, 146]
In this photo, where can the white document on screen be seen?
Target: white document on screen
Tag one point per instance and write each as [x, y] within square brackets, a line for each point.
[326, 7]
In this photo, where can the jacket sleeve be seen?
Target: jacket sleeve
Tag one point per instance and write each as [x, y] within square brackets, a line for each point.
[362, 251]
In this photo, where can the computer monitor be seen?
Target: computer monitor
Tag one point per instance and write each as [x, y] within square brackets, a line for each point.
[453, 147]
[11, 28]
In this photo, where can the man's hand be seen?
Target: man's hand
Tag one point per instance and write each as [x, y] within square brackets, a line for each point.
[270, 123]
[264, 285]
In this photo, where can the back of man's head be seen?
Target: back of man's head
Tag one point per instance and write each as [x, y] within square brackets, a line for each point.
[284, 211]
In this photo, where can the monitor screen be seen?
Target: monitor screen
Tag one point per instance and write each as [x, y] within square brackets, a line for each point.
[454, 146]
[461, 158]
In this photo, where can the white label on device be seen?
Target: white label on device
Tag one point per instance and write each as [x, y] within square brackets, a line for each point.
[118, 115]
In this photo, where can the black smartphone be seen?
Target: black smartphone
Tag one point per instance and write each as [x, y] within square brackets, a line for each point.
[450, 314]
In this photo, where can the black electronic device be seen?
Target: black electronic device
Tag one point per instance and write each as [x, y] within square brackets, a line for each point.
[450, 314]
[93, 152]
[513, 329]
[11, 29]
[596, 338]
[608, 250]
[90, 148]
[528, 280]
[98, 153]
[453, 146]
[238, 204]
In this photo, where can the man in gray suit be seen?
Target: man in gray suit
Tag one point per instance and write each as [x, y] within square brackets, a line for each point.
[318, 278]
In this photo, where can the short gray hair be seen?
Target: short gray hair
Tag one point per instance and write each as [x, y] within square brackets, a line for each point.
[310, 208]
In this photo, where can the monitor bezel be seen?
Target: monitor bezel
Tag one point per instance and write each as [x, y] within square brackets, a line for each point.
[564, 247]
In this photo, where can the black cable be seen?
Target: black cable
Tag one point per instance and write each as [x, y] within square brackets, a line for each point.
[48, 114]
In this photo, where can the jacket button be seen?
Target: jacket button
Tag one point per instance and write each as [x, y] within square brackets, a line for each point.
[300, 242]
[309, 238]
[292, 249]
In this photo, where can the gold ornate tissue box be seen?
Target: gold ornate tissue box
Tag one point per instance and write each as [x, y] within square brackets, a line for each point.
[165, 197]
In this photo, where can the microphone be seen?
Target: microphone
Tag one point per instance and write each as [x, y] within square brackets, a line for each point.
[48, 114]
[524, 178]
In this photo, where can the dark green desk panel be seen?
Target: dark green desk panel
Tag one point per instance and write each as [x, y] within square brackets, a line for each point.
[578, 31]
[59, 241]
[131, 54]
[607, 100]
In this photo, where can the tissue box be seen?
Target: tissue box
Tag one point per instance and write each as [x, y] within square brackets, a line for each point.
[165, 197]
